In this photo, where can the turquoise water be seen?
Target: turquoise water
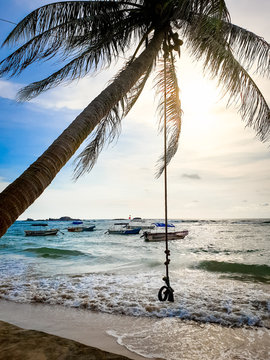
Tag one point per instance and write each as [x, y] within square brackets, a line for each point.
[220, 272]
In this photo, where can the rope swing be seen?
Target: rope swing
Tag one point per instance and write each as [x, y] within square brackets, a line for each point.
[166, 292]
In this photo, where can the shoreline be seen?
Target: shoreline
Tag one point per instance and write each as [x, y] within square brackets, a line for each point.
[17, 343]
[135, 338]
[87, 328]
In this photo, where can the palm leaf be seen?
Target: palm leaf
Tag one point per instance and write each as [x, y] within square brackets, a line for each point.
[88, 43]
[169, 85]
[60, 13]
[109, 128]
[209, 44]
[191, 11]
[249, 48]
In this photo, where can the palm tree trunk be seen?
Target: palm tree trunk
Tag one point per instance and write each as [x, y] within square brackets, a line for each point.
[20, 194]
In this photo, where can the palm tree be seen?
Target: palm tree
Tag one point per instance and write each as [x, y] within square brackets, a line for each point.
[88, 35]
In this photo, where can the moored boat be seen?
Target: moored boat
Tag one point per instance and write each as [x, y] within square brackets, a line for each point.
[81, 228]
[159, 234]
[89, 228]
[141, 223]
[123, 229]
[41, 232]
[75, 229]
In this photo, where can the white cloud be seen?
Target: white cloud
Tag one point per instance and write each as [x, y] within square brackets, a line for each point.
[75, 96]
[191, 176]
[3, 184]
[8, 89]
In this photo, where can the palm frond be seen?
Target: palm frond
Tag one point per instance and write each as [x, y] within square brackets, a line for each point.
[187, 11]
[66, 29]
[76, 68]
[106, 131]
[168, 85]
[135, 92]
[85, 41]
[249, 48]
[215, 51]
[60, 13]
[109, 128]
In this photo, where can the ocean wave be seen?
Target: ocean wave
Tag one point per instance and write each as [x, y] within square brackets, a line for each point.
[54, 253]
[213, 250]
[246, 272]
[199, 299]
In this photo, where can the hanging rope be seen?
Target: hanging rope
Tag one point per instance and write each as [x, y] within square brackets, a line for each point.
[166, 292]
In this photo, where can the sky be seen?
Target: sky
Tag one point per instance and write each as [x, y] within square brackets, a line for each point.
[221, 169]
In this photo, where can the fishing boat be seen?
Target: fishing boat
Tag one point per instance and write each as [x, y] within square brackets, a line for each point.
[123, 229]
[41, 232]
[159, 234]
[81, 228]
[141, 223]
[75, 229]
[89, 228]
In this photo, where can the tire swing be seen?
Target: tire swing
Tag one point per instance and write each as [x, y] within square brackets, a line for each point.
[166, 291]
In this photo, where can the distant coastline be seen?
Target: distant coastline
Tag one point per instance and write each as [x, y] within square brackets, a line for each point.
[62, 218]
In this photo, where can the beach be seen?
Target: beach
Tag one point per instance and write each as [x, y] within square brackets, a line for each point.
[80, 326]
[17, 343]
[114, 335]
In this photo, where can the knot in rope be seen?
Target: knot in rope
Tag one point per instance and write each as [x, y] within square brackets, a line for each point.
[166, 292]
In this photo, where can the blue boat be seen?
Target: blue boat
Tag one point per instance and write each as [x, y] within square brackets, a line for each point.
[77, 222]
[163, 225]
[123, 229]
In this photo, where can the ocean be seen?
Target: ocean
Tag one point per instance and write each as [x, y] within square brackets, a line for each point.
[220, 274]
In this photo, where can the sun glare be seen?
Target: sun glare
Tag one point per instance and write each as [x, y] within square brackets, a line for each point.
[199, 97]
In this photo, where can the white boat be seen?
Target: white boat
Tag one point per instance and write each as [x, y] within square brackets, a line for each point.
[159, 234]
[139, 222]
[123, 229]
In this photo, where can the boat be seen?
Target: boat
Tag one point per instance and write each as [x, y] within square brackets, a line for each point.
[159, 234]
[75, 229]
[123, 229]
[77, 222]
[139, 222]
[41, 232]
[89, 228]
[81, 228]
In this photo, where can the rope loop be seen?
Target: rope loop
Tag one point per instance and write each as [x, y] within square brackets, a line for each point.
[166, 293]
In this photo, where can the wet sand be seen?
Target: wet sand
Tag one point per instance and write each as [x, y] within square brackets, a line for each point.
[128, 337]
[17, 344]
[86, 328]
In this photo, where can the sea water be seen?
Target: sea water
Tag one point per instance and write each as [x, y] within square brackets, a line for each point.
[220, 272]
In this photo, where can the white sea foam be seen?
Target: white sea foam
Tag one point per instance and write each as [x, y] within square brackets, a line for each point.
[196, 297]
[172, 339]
